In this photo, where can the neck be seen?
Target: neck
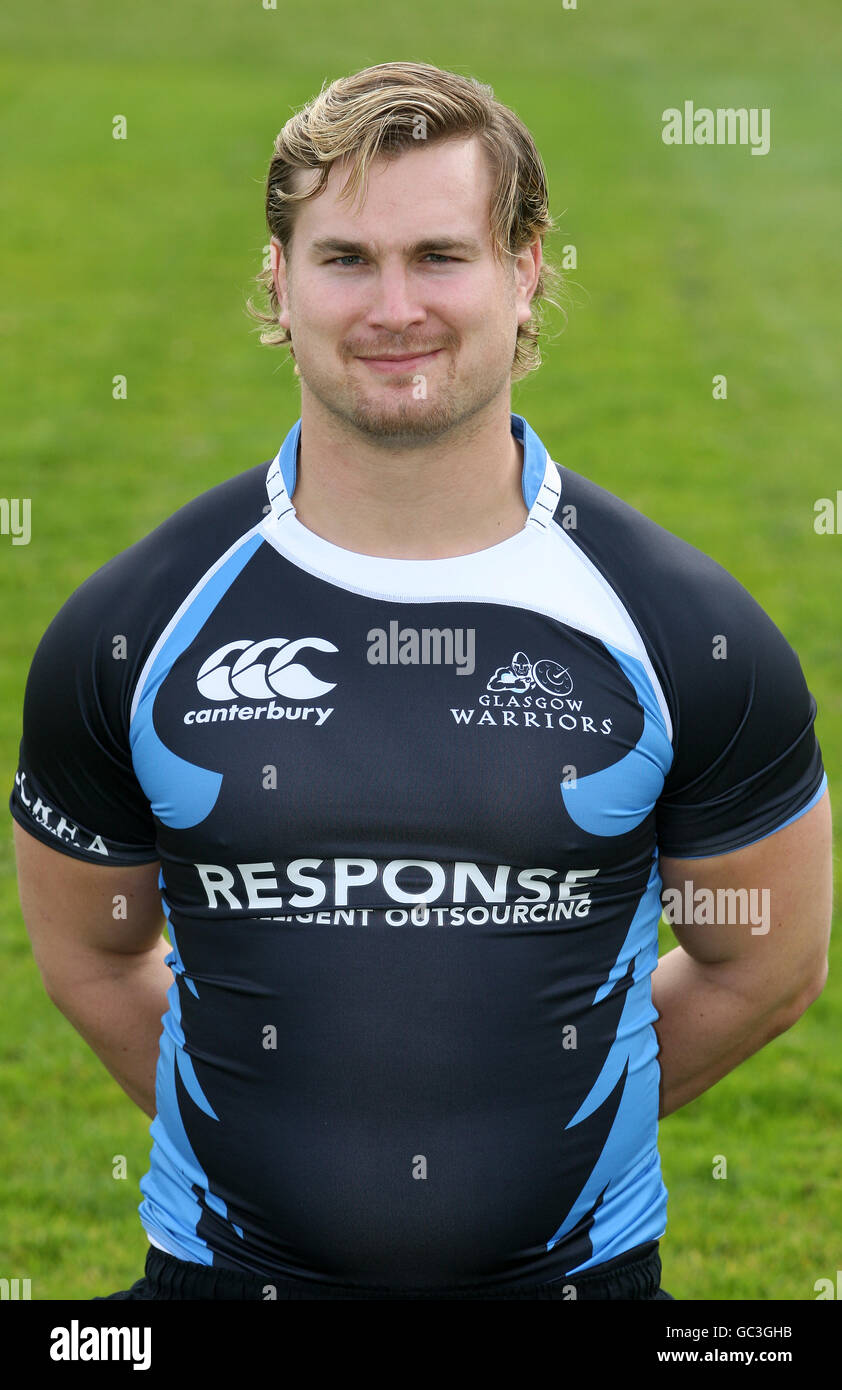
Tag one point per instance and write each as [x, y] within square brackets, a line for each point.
[450, 496]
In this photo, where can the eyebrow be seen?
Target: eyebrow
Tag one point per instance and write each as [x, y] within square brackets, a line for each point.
[357, 248]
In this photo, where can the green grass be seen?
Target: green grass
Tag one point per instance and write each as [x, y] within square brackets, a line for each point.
[136, 257]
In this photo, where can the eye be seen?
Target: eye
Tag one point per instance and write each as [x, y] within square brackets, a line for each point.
[337, 260]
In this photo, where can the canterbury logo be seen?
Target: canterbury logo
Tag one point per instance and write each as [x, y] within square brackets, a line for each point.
[259, 677]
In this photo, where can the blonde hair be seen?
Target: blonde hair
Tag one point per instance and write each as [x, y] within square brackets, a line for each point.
[378, 112]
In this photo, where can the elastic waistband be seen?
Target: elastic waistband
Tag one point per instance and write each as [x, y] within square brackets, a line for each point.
[634, 1275]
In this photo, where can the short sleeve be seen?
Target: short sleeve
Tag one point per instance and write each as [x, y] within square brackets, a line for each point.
[75, 788]
[746, 757]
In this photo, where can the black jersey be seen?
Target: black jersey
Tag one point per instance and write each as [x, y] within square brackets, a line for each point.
[408, 815]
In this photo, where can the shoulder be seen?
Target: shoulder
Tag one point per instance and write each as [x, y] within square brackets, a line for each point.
[173, 557]
[693, 614]
[146, 581]
[103, 632]
[636, 552]
[76, 788]
[745, 756]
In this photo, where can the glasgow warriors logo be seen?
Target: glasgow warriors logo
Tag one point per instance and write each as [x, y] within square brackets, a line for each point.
[521, 676]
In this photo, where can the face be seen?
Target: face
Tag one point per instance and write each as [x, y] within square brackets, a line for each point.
[409, 274]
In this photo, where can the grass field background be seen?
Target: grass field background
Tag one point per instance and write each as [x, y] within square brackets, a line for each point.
[136, 257]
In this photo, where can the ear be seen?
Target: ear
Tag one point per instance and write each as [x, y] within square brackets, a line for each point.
[527, 270]
[279, 277]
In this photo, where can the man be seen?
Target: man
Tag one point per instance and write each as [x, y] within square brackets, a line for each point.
[407, 732]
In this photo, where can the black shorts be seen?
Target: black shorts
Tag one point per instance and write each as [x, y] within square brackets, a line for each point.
[636, 1274]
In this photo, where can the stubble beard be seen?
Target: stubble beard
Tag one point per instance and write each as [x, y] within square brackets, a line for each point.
[404, 420]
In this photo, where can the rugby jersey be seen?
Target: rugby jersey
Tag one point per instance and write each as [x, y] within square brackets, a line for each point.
[409, 815]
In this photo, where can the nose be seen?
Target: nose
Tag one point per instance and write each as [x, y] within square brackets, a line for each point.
[394, 305]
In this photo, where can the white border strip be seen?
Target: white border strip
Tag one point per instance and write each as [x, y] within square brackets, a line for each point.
[617, 603]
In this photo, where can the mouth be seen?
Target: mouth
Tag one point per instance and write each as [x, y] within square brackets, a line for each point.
[405, 363]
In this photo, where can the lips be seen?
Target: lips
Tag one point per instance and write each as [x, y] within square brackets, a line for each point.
[396, 366]
[404, 357]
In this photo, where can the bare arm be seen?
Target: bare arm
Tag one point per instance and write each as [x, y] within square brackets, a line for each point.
[728, 989]
[104, 970]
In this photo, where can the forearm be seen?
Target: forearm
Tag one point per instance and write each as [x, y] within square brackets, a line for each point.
[117, 1008]
[710, 1020]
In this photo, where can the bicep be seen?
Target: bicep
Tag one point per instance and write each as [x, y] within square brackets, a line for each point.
[776, 918]
[76, 912]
